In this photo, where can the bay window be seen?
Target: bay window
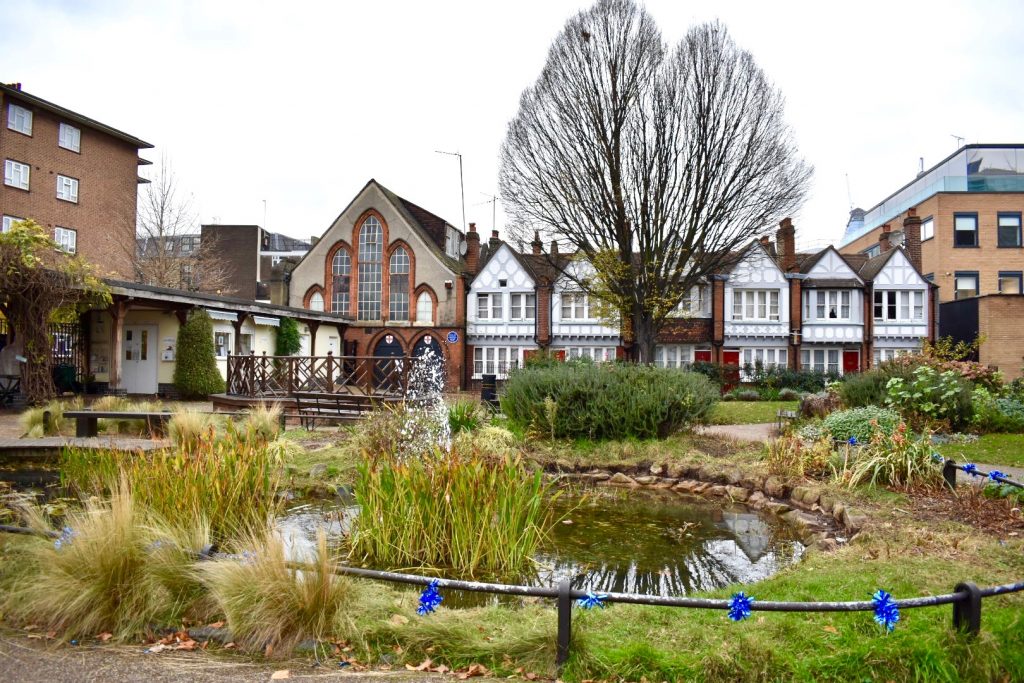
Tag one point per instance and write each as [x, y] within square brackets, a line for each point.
[495, 360]
[828, 304]
[755, 304]
[820, 360]
[904, 306]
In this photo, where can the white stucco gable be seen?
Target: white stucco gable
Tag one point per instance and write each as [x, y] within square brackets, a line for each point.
[502, 266]
[899, 273]
[756, 268]
[832, 266]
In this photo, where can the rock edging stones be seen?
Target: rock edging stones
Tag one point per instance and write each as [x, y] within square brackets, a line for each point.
[822, 521]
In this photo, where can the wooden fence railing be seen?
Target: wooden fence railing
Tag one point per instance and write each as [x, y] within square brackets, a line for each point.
[259, 376]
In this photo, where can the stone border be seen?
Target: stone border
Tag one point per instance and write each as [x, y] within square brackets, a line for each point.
[822, 521]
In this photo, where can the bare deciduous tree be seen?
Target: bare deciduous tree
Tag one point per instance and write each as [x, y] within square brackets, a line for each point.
[169, 252]
[654, 164]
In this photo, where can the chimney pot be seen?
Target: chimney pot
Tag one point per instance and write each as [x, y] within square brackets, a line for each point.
[536, 245]
[785, 240]
[472, 227]
[472, 250]
[554, 247]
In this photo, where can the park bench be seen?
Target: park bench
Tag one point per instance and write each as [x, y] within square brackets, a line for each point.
[784, 417]
[87, 421]
[313, 406]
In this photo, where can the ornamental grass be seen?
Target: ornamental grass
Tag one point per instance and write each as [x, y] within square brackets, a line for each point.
[464, 513]
[273, 606]
[115, 568]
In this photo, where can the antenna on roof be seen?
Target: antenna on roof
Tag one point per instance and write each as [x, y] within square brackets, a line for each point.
[849, 196]
[462, 187]
[959, 140]
[493, 201]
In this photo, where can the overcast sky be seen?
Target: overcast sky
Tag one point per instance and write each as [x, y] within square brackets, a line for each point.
[299, 104]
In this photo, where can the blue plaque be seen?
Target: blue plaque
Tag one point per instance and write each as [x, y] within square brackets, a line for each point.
[453, 337]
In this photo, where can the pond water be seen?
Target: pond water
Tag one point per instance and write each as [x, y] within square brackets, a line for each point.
[618, 540]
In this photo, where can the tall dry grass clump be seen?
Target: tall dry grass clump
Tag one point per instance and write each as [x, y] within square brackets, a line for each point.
[273, 606]
[188, 426]
[464, 513]
[264, 421]
[115, 568]
[33, 423]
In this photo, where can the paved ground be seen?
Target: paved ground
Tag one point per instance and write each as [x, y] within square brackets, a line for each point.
[23, 661]
[750, 433]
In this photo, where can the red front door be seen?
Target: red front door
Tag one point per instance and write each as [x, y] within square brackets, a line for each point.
[731, 361]
[731, 358]
[705, 356]
[851, 362]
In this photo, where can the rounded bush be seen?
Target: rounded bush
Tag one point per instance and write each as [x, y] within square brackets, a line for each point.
[789, 395]
[857, 423]
[195, 372]
[607, 401]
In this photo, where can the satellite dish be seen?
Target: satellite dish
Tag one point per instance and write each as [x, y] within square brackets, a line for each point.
[463, 246]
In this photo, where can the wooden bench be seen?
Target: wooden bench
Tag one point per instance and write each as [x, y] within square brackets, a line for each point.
[314, 406]
[783, 417]
[87, 421]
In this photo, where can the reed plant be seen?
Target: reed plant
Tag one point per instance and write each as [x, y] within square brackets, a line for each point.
[271, 605]
[464, 513]
[115, 568]
[899, 459]
[231, 479]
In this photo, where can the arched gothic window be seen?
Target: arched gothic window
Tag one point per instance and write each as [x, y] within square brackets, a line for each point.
[316, 302]
[371, 238]
[424, 309]
[398, 294]
[341, 269]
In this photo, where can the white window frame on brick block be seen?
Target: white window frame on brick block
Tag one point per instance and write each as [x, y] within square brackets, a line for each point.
[67, 189]
[69, 137]
[8, 221]
[19, 119]
[17, 174]
[66, 238]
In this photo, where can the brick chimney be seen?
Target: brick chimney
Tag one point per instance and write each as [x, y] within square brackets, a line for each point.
[495, 241]
[536, 245]
[912, 237]
[472, 250]
[785, 238]
[884, 238]
[554, 247]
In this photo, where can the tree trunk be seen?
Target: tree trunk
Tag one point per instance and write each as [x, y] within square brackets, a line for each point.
[36, 380]
[645, 337]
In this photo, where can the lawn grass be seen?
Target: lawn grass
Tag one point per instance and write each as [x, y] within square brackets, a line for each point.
[749, 412]
[991, 449]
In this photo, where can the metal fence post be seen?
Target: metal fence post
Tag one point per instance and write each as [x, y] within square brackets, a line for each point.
[967, 613]
[949, 474]
[564, 623]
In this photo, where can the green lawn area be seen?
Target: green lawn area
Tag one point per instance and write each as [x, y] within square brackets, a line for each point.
[749, 412]
[992, 449]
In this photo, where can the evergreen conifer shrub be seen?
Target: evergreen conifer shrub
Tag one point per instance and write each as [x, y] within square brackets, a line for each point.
[287, 341]
[195, 373]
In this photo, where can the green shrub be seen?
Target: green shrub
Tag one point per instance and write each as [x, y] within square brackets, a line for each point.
[465, 415]
[896, 459]
[607, 401]
[789, 395]
[746, 394]
[993, 414]
[861, 423]
[930, 399]
[863, 389]
[713, 371]
[287, 341]
[195, 371]
[776, 377]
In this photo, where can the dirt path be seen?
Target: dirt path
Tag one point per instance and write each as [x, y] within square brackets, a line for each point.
[749, 433]
[23, 660]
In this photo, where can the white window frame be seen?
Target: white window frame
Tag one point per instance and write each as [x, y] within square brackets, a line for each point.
[19, 119]
[927, 228]
[769, 357]
[898, 305]
[69, 137]
[222, 340]
[522, 306]
[883, 355]
[496, 360]
[66, 239]
[8, 221]
[489, 306]
[424, 308]
[758, 305]
[819, 305]
[67, 189]
[316, 302]
[574, 305]
[673, 355]
[17, 174]
[598, 354]
[822, 360]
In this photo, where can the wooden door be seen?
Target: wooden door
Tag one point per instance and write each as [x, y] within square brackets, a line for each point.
[851, 361]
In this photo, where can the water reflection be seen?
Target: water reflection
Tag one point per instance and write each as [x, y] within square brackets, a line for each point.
[624, 541]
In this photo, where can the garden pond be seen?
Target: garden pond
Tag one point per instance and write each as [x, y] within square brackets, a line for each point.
[618, 540]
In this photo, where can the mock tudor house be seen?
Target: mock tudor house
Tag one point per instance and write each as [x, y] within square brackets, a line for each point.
[824, 310]
[397, 271]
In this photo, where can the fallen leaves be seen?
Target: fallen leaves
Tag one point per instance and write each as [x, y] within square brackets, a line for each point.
[175, 641]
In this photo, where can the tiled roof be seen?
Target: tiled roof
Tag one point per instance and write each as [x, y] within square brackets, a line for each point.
[873, 266]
